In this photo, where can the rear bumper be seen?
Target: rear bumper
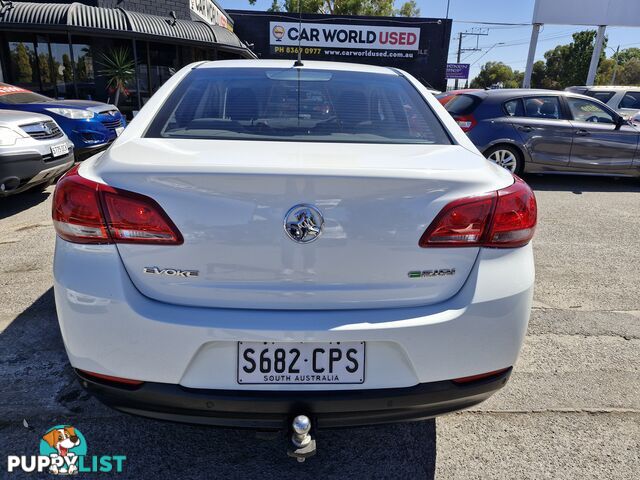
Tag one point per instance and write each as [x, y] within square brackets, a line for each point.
[273, 410]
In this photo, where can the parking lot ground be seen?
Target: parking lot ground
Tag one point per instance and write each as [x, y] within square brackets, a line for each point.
[571, 409]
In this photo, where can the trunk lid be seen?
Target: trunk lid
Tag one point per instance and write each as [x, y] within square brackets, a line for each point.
[229, 200]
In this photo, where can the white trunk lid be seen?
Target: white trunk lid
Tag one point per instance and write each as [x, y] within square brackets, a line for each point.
[229, 200]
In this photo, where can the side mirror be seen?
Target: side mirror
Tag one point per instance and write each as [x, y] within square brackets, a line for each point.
[620, 121]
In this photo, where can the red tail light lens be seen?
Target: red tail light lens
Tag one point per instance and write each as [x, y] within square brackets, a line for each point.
[506, 218]
[462, 222]
[85, 211]
[77, 216]
[465, 122]
[515, 218]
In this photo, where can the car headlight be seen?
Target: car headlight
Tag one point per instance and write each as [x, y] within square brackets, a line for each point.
[8, 136]
[74, 113]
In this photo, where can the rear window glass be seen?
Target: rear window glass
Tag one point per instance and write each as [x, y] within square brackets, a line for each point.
[462, 104]
[297, 105]
[604, 97]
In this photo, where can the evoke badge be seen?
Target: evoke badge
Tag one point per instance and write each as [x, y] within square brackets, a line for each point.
[441, 272]
[171, 272]
[303, 223]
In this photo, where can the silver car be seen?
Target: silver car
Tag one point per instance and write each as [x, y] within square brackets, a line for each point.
[34, 151]
[624, 100]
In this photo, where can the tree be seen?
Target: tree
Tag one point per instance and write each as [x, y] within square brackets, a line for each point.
[409, 9]
[497, 74]
[119, 68]
[568, 65]
[539, 74]
[67, 71]
[22, 61]
[383, 8]
[629, 73]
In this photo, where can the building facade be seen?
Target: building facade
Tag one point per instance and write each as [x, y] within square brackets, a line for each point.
[68, 50]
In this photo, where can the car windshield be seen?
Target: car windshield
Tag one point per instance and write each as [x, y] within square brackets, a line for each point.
[297, 105]
[10, 95]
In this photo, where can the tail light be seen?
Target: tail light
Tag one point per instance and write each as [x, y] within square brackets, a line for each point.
[505, 218]
[85, 211]
[465, 122]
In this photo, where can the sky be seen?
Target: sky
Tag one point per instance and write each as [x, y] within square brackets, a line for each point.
[468, 15]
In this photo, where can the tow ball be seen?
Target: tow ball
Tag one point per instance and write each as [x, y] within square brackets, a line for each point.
[302, 445]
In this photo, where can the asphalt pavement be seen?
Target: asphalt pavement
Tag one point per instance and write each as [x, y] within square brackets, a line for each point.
[570, 411]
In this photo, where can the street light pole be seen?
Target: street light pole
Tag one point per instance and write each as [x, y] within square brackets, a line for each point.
[458, 60]
[615, 65]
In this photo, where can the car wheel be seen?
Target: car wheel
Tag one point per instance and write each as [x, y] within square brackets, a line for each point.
[507, 157]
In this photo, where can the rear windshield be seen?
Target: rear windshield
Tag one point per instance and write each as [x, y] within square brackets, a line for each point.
[462, 104]
[297, 105]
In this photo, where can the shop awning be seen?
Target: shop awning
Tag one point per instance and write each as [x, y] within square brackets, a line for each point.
[80, 18]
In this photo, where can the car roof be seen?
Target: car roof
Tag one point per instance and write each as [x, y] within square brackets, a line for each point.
[316, 65]
[607, 87]
[504, 93]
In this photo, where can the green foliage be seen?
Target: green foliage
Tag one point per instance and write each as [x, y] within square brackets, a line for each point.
[384, 8]
[497, 74]
[67, 72]
[21, 60]
[119, 68]
[567, 65]
[629, 73]
[409, 9]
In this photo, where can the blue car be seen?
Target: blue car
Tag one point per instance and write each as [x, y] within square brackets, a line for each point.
[91, 126]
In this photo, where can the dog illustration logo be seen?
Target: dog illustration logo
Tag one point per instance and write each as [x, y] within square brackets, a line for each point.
[63, 444]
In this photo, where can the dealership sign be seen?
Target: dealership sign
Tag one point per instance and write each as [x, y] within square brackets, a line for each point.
[368, 37]
[208, 11]
[459, 71]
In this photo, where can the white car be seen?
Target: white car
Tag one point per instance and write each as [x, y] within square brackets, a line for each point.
[266, 241]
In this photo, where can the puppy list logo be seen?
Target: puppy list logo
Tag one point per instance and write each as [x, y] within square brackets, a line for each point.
[63, 451]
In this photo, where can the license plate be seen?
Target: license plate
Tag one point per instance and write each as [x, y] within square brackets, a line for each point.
[300, 363]
[58, 150]
[119, 131]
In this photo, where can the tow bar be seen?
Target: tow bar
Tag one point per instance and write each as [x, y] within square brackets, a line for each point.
[302, 444]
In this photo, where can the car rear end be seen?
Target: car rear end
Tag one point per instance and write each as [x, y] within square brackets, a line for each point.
[483, 117]
[33, 151]
[372, 267]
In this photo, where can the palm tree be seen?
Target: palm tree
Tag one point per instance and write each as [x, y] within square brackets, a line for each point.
[119, 69]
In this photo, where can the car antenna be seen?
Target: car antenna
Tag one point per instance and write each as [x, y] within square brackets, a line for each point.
[298, 62]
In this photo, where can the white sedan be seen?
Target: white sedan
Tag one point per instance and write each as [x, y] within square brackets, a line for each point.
[268, 240]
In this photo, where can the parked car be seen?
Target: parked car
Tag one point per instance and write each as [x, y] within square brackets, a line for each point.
[248, 263]
[91, 126]
[624, 100]
[33, 151]
[547, 131]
